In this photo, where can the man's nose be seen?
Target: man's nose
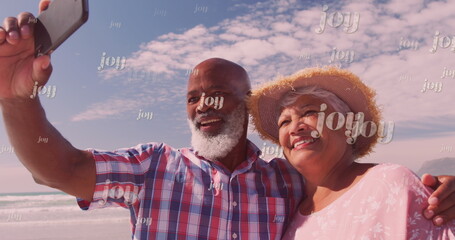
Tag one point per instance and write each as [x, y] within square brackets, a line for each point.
[202, 107]
[208, 102]
[203, 104]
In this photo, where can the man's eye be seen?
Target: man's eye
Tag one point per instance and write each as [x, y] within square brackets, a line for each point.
[193, 100]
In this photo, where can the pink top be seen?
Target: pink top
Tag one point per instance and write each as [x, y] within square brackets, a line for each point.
[387, 203]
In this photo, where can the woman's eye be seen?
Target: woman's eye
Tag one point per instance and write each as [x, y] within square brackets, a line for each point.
[310, 113]
[283, 123]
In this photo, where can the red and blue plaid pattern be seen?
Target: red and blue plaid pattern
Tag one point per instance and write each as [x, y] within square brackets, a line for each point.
[175, 194]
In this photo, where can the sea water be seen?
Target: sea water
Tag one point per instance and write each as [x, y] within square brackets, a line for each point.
[56, 215]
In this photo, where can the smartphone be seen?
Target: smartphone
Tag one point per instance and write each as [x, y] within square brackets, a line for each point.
[54, 25]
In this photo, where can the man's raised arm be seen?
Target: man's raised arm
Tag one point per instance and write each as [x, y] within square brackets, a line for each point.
[56, 163]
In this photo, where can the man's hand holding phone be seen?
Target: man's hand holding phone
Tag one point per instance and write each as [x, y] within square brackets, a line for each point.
[24, 37]
[19, 69]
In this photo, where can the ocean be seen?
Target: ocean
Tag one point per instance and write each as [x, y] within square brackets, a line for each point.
[56, 215]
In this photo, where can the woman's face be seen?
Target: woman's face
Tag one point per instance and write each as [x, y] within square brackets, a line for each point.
[296, 123]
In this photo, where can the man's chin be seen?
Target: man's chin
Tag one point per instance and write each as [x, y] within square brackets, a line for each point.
[217, 139]
[212, 145]
[210, 132]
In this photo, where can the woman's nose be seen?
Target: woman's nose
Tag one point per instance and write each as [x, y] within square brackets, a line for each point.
[297, 126]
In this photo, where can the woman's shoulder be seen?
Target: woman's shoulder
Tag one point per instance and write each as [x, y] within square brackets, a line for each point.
[397, 178]
[392, 171]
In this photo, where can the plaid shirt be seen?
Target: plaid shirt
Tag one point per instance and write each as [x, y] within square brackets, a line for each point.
[175, 194]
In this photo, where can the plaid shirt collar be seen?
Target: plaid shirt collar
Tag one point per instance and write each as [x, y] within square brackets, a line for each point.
[252, 154]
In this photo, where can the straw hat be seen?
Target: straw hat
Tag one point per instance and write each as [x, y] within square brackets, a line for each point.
[264, 103]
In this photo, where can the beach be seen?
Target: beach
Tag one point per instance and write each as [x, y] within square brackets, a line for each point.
[49, 216]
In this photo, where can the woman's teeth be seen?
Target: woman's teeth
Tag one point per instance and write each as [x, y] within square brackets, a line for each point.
[303, 142]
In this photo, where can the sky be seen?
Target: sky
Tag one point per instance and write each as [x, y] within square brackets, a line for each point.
[404, 49]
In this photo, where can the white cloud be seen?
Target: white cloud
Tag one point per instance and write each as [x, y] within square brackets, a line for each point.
[270, 37]
[109, 108]
[404, 7]
[284, 27]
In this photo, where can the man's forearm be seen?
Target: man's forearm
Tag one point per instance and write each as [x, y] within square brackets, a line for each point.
[38, 145]
[51, 159]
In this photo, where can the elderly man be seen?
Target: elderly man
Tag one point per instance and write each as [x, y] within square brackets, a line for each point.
[219, 189]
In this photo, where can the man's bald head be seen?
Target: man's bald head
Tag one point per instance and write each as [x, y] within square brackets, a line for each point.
[219, 69]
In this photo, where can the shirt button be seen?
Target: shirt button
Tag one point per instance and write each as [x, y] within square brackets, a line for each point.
[234, 204]
[234, 235]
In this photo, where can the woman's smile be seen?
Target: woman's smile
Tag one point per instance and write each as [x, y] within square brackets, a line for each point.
[302, 142]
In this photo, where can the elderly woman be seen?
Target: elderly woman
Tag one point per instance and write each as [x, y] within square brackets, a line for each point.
[325, 119]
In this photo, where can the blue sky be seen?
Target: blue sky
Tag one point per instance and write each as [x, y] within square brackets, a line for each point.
[161, 40]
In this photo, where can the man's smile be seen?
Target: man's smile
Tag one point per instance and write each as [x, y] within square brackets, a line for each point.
[210, 124]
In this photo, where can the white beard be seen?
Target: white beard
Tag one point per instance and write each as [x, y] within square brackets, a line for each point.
[218, 146]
